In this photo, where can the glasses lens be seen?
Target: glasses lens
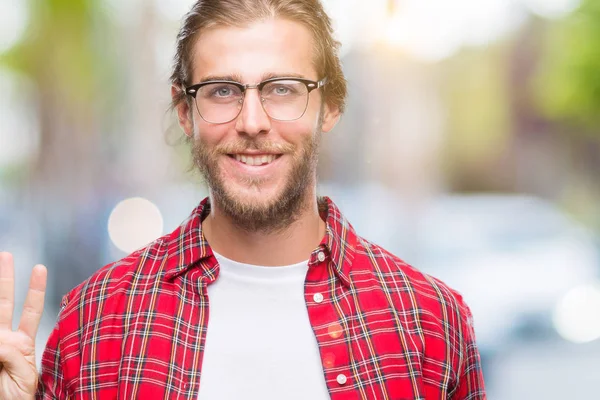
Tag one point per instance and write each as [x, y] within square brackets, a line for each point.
[285, 100]
[219, 102]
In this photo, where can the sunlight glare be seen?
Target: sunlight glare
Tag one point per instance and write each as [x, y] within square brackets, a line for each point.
[552, 8]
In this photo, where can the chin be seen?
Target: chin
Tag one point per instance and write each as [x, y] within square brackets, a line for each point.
[255, 197]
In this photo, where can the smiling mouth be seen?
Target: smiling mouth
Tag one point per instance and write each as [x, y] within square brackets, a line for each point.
[257, 160]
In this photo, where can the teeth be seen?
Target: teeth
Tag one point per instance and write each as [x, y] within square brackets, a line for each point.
[255, 160]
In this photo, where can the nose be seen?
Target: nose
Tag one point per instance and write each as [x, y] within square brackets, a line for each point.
[253, 120]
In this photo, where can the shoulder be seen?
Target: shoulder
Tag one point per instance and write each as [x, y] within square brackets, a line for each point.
[424, 293]
[98, 309]
[115, 280]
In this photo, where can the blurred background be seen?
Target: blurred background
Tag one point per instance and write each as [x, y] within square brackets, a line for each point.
[470, 148]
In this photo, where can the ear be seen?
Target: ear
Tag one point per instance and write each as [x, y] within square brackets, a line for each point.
[331, 116]
[184, 113]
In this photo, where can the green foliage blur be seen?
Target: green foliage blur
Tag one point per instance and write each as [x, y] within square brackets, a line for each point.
[568, 84]
[62, 50]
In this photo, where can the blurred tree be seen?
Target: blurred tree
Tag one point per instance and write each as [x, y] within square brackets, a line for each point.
[567, 92]
[568, 84]
[63, 53]
[476, 90]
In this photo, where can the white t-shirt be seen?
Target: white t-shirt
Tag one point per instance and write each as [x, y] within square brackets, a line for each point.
[260, 344]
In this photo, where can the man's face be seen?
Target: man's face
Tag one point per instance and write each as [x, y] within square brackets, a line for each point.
[267, 195]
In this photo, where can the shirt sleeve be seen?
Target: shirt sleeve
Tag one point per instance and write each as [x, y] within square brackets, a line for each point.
[470, 384]
[51, 379]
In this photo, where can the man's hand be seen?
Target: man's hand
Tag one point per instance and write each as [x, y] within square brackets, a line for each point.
[18, 373]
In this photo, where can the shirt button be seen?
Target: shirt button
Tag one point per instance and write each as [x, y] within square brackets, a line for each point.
[341, 379]
[318, 297]
[321, 256]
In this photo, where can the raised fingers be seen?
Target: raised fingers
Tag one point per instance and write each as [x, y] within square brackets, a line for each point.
[34, 302]
[7, 290]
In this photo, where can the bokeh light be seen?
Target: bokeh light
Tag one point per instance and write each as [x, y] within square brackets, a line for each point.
[134, 223]
[577, 314]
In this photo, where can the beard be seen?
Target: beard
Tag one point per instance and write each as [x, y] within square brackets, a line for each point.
[272, 215]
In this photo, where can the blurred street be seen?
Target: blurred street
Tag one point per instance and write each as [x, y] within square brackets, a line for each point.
[545, 370]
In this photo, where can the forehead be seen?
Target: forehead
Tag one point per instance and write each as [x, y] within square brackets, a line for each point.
[261, 49]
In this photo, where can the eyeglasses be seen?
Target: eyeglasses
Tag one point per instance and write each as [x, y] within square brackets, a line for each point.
[283, 99]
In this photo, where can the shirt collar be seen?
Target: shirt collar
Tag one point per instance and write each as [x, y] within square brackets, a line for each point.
[187, 247]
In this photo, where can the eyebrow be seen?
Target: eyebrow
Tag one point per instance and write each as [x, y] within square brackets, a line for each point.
[238, 78]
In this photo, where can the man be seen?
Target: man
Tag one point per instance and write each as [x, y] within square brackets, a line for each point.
[265, 291]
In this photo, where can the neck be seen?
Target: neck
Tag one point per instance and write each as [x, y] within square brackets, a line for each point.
[291, 245]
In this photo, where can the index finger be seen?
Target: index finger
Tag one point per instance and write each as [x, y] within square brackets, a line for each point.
[34, 302]
[7, 290]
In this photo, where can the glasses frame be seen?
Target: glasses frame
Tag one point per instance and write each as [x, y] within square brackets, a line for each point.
[310, 86]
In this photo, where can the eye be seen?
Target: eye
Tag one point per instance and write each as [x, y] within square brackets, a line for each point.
[286, 88]
[220, 91]
[223, 91]
[281, 90]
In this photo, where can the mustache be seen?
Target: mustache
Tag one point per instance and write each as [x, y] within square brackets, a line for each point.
[263, 146]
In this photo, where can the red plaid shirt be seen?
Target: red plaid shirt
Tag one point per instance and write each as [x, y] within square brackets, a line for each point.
[137, 328]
